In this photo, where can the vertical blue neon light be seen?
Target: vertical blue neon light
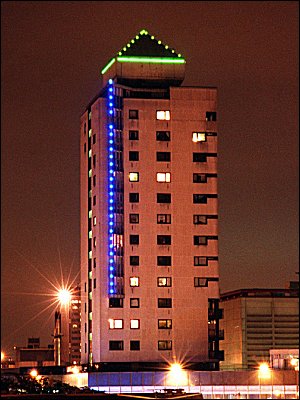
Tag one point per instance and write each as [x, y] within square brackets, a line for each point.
[111, 188]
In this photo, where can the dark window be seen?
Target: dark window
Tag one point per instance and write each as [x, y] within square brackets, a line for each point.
[133, 135]
[133, 156]
[163, 156]
[164, 261]
[211, 116]
[200, 282]
[94, 200]
[165, 345]
[115, 303]
[163, 136]
[134, 345]
[200, 219]
[116, 345]
[134, 260]
[94, 160]
[134, 303]
[84, 147]
[134, 239]
[134, 197]
[199, 199]
[94, 139]
[199, 157]
[200, 261]
[200, 240]
[134, 218]
[163, 218]
[164, 281]
[164, 239]
[164, 303]
[199, 178]
[94, 180]
[94, 283]
[164, 324]
[164, 197]
[95, 263]
[84, 128]
[133, 114]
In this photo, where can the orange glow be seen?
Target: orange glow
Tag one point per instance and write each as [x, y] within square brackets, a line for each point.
[264, 371]
[33, 373]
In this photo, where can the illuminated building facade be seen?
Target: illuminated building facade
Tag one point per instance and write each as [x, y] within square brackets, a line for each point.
[75, 327]
[256, 322]
[149, 218]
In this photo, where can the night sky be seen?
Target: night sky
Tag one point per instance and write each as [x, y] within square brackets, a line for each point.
[52, 55]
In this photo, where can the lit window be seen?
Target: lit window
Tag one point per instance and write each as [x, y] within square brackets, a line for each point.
[163, 177]
[200, 219]
[164, 281]
[134, 324]
[164, 324]
[199, 137]
[134, 281]
[165, 345]
[163, 218]
[198, 261]
[133, 176]
[200, 282]
[115, 323]
[90, 214]
[95, 221]
[134, 303]
[163, 115]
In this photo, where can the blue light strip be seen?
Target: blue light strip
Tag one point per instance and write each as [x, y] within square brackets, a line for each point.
[111, 189]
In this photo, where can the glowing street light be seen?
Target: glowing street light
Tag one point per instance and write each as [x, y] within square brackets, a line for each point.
[33, 373]
[64, 296]
[264, 372]
[177, 376]
[2, 356]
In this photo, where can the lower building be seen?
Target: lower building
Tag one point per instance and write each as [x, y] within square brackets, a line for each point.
[256, 321]
[33, 355]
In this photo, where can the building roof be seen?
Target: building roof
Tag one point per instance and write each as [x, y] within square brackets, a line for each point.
[254, 293]
[145, 48]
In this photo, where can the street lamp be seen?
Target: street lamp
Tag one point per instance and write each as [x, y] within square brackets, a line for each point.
[264, 372]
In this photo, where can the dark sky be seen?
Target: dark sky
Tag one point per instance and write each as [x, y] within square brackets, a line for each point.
[52, 55]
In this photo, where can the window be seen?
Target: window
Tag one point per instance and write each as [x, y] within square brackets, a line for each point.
[200, 240]
[163, 115]
[133, 156]
[115, 323]
[95, 263]
[134, 324]
[116, 345]
[163, 136]
[94, 160]
[165, 345]
[133, 114]
[164, 303]
[199, 137]
[163, 197]
[199, 199]
[84, 147]
[199, 219]
[163, 177]
[134, 260]
[133, 176]
[163, 156]
[200, 282]
[94, 200]
[164, 261]
[133, 135]
[134, 239]
[115, 303]
[200, 261]
[211, 116]
[94, 180]
[134, 303]
[134, 218]
[94, 139]
[199, 178]
[164, 239]
[134, 345]
[134, 281]
[163, 218]
[199, 157]
[164, 324]
[164, 282]
[95, 221]
[134, 197]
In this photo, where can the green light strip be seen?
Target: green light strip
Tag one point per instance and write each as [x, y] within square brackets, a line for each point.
[152, 60]
[108, 66]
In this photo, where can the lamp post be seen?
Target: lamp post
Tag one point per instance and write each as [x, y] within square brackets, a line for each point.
[264, 372]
